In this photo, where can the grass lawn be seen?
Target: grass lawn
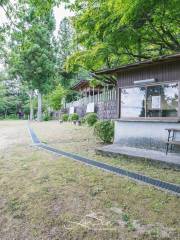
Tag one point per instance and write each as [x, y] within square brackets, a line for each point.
[43, 196]
[80, 140]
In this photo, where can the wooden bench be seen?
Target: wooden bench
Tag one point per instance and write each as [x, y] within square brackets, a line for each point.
[171, 138]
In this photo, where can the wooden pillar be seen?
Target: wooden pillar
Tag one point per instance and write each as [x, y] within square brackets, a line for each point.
[98, 96]
[93, 94]
[107, 93]
[86, 95]
[118, 100]
[89, 94]
[179, 101]
[104, 90]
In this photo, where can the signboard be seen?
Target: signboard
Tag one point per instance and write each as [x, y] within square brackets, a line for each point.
[90, 108]
[156, 102]
[71, 110]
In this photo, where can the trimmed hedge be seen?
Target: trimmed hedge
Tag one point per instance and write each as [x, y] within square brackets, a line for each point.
[91, 119]
[46, 117]
[64, 117]
[104, 130]
[74, 117]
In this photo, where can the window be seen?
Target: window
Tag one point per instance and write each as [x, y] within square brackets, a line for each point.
[133, 102]
[150, 101]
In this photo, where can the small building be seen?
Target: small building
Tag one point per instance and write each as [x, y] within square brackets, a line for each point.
[148, 101]
[84, 89]
[100, 99]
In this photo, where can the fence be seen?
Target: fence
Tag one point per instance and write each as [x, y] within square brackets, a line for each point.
[105, 96]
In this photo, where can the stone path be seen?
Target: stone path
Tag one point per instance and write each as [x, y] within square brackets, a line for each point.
[170, 187]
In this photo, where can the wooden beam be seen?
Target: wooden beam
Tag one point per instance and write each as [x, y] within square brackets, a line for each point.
[118, 100]
[179, 100]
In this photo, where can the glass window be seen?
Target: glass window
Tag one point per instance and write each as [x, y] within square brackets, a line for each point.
[133, 102]
[170, 100]
[150, 101]
[162, 100]
[154, 101]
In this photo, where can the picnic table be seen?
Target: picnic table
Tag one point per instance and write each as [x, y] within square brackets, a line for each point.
[171, 138]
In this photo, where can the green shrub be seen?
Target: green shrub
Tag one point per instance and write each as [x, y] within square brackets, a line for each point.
[91, 119]
[46, 117]
[83, 120]
[104, 130]
[12, 117]
[64, 117]
[74, 117]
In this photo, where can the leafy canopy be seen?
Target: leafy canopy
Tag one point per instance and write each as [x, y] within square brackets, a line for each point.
[56, 97]
[110, 33]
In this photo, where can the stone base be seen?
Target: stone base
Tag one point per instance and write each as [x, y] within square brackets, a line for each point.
[156, 157]
[144, 134]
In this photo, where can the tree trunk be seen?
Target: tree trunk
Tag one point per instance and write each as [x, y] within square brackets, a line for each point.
[31, 117]
[139, 49]
[39, 114]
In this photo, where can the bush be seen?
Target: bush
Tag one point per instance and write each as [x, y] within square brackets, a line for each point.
[83, 120]
[74, 117]
[12, 117]
[105, 131]
[64, 117]
[46, 118]
[91, 119]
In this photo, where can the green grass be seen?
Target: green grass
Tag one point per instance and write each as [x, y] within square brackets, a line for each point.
[80, 140]
[43, 196]
[51, 196]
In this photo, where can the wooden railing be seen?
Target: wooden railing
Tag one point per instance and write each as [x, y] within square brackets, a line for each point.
[105, 96]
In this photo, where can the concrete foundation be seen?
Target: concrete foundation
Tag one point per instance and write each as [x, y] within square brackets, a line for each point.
[144, 134]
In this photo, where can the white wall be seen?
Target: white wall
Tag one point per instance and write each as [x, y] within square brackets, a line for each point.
[150, 135]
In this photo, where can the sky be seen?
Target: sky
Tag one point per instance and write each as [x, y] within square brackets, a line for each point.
[59, 13]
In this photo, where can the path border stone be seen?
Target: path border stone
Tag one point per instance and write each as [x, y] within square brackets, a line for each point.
[165, 186]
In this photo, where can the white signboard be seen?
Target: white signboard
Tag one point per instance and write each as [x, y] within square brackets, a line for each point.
[71, 110]
[156, 102]
[90, 108]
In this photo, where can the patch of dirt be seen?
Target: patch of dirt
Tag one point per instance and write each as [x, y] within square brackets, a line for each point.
[13, 133]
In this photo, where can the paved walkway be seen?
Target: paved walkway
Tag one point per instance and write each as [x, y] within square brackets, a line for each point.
[171, 159]
[170, 187]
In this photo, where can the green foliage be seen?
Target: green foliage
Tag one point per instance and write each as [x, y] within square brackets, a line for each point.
[32, 54]
[91, 119]
[110, 33]
[64, 47]
[13, 96]
[56, 97]
[65, 117]
[73, 117]
[83, 120]
[104, 130]
[46, 117]
[11, 117]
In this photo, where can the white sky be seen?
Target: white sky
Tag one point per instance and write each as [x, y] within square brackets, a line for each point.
[59, 13]
[3, 18]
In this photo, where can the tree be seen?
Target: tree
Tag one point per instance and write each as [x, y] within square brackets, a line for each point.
[32, 54]
[56, 97]
[13, 96]
[111, 32]
[64, 48]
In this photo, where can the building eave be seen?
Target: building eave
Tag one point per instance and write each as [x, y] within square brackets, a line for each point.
[150, 62]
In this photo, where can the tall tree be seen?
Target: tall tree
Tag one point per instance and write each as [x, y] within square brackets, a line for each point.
[32, 56]
[64, 48]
